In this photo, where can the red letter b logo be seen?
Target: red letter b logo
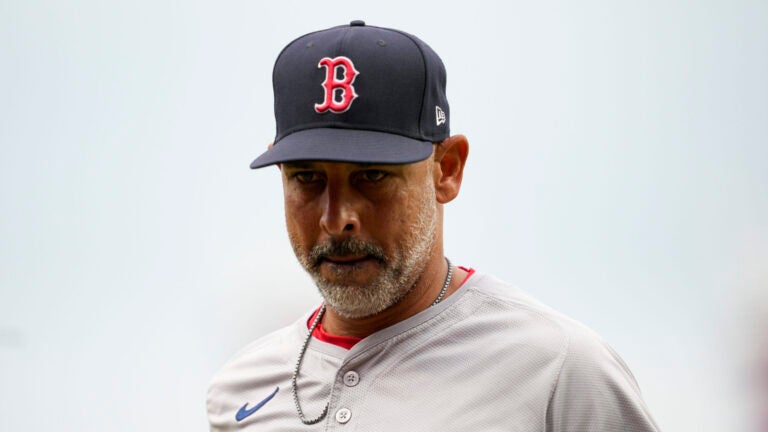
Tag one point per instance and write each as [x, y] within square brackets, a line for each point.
[339, 93]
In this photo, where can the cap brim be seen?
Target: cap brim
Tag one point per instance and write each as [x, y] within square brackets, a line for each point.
[345, 145]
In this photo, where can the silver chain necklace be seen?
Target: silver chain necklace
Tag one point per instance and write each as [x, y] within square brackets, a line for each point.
[304, 346]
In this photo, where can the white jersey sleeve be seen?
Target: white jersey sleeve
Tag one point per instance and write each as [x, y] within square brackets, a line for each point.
[595, 390]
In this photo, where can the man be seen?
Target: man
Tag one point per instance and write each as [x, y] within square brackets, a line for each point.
[404, 341]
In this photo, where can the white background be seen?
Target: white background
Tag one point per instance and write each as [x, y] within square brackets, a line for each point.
[617, 172]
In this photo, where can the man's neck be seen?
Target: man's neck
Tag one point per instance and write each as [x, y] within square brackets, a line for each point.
[423, 294]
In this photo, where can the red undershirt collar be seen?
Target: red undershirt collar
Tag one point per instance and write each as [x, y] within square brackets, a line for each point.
[348, 342]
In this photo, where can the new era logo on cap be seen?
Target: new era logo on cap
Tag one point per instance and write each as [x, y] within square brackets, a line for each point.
[439, 115]
[357, 93]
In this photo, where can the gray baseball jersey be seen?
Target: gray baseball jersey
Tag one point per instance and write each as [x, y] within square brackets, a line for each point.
[487, 358]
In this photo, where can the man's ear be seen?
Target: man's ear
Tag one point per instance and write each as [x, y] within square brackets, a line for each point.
[450, 157]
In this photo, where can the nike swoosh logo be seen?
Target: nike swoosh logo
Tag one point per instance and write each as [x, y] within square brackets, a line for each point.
[244, 412]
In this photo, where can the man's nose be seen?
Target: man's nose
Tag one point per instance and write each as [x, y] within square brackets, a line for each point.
[340, 216]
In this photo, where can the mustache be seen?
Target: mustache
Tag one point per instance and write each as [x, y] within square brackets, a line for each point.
[344, 247]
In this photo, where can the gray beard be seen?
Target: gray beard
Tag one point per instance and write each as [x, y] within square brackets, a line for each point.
[401, 271]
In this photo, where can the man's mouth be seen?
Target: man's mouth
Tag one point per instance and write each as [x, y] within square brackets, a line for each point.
[346, 253]
[346, 259]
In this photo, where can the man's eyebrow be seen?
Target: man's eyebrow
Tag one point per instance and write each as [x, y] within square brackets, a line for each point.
[310, 164]
[298, 164]
[379, 164]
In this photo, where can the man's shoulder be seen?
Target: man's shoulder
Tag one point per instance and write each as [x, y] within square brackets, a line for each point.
[537, 322]
[267, 351]
[587, 366]
[274, 343]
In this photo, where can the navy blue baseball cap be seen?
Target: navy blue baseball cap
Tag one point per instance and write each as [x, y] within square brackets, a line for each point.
[357, 93]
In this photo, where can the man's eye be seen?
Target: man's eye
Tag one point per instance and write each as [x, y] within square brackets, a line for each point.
[373, 175]
[306, 176]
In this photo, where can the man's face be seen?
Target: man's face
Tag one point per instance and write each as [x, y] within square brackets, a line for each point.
[363, 232]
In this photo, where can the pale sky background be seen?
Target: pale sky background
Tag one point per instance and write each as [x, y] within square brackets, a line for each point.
[617, 172]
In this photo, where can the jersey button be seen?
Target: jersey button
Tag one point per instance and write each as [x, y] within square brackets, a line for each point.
[343, 415]
[351, 379]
